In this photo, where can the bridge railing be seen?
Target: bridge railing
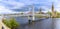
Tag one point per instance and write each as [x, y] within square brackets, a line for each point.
[2, 25]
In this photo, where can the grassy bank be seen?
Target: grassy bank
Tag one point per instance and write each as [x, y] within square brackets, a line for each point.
[40, 16]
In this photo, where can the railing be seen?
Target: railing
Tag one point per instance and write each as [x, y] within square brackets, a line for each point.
[3, 26]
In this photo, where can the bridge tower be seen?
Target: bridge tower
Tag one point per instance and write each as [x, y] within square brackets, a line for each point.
[33, 13]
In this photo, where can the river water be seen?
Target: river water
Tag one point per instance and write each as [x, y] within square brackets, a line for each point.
[49, 23]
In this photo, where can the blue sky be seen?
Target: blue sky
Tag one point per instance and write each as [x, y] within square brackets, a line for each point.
[6, 5]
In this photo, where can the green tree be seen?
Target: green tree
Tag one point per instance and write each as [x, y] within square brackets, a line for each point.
[50, 13]
[22, 13]
[40, 10]
[11, 23]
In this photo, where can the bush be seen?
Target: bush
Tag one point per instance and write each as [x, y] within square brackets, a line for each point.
[11, 23]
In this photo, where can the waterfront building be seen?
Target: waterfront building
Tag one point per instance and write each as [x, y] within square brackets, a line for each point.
[54, 14]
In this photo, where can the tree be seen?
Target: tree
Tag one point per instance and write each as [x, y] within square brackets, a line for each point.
[50, 13]
[22, 13]
[11, 23]
[40, 10]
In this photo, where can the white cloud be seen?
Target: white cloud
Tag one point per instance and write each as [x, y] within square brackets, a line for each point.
[0, 0]
[14, 4]
[21, 3]
[4, 10]
[57, 5]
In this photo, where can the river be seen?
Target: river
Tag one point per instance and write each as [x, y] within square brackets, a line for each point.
[49, 23]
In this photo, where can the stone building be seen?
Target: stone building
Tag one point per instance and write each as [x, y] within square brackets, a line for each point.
[54, 14]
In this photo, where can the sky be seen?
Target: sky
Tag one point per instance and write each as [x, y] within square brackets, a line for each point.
[7, 5]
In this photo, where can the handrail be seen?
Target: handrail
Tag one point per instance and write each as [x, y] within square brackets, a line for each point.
[3, 25]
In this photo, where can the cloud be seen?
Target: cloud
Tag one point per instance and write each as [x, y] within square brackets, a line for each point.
[46, 9]
[12, 4]
[16, 4]
[4, 10]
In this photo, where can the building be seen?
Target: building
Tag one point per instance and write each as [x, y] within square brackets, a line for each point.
[54, 14]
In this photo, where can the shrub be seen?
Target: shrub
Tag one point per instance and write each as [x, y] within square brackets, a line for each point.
[11, 23]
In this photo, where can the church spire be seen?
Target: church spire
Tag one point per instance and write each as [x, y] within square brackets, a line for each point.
[52, 7]
[53, 13]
